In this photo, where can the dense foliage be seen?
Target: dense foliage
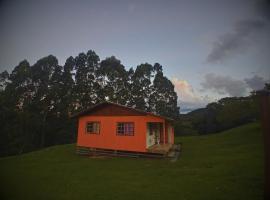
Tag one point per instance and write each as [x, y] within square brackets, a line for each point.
[36, 101]
[227, 113]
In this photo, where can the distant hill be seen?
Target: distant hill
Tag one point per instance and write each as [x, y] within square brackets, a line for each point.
[227, 165]
[218, 116]
[186, 110]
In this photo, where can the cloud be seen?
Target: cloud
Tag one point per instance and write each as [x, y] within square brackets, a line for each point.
[263, 8]
[188, 99]
[236, 41]
[241, 35]
[256, 82]
[224, 85]
[184, 90]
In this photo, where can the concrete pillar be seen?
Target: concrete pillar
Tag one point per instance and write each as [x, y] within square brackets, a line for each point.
[164, 129]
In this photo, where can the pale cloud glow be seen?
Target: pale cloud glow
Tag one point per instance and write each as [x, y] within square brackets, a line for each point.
[188, 98]
[184, 90]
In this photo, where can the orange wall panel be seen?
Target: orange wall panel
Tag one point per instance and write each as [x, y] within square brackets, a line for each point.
[108, 139]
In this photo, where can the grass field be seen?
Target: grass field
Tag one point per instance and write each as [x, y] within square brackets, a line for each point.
[224, 166]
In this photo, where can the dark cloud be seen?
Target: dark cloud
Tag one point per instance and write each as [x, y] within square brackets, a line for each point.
[231, 43]
[256, 82]
[242, 33]
[224, 85]
[263, 8]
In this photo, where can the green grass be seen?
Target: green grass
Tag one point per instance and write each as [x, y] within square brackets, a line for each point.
[227, 165]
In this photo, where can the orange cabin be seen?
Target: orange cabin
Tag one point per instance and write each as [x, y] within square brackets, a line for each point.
[116, 127]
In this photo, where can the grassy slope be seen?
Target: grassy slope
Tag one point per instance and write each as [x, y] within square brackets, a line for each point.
[222, 166]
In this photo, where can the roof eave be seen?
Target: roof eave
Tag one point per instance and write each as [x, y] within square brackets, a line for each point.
[84, 112]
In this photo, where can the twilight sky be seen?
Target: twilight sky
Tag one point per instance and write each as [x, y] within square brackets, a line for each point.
[208, 48]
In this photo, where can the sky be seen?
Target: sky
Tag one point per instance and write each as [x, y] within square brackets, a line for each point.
[209, 49]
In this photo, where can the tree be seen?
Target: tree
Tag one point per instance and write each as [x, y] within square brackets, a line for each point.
[16, 98]
[227, 113]
[141, 86]
[19, 90]
[68, 87]
[55, 92]
[153, 95]
[114, 80]
[235, 111]
[86, 85]
[44, 72]
[164, 97]
[93, 81]
[3, 80]
[81, 99]
[129, 85]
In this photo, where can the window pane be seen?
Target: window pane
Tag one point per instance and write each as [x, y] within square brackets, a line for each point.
[93, 127]
[125, 128]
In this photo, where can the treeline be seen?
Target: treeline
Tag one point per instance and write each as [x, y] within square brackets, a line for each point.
[227, 113]
[36, 101]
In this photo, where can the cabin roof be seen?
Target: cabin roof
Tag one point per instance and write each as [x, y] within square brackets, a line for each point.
[88, 110]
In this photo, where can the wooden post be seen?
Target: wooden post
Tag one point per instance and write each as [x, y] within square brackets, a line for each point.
[265, 120]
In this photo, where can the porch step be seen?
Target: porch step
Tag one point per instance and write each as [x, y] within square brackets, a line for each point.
[160, 148]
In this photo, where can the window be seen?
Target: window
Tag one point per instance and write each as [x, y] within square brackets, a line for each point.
[125, 128]
[93, 127]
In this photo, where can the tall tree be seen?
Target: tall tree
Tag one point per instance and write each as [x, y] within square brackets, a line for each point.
[153, 95]
[93, 80]
[20, 90]
[114, 80]
[68, 86]
[17, 97]
[86, 85]
[141, 86]
[3, 80]
[81, 99]
[165, 97]
[44, 72]
[129, 86]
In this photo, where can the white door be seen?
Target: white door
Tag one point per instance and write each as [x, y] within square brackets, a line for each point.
[150, 137]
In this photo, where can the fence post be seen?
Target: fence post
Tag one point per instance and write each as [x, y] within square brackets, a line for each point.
[265, 120]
